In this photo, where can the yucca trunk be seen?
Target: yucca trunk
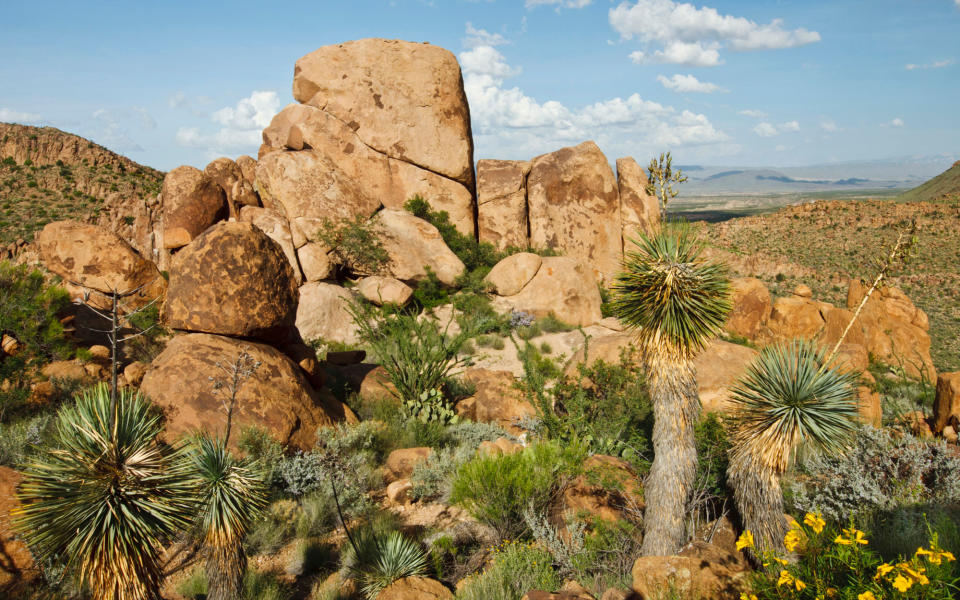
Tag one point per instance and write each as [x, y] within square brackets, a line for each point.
[226, 564]
[759, 499]
[676, 408]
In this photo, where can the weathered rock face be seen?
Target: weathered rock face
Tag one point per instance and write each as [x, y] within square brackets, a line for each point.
[946, 406]
[583, 494]
[232, 280]
[16, 562]
[497, 400]
[391, 181]
[236, 189]
[511, 274]
[191, 201]
[403, 99]
[322, 313]
[751, 305]
[98, 259]
[574, 207]
[315, 261]
[400, 463]
[384, 290]
[415, 588]
[502, 202]
[276, 396]
[413, 244]
[718, 367]
[277, 229]
[248, 168]
[794, 317]
[639, 211]
[701, 570]
[562, 286]
[308, 187]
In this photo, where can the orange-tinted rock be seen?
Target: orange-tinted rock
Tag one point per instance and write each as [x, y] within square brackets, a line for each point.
[232, 280]
[751, 306]
[795, 317]
[403, 99]
[701, 570]
[946, 406]
[719, 367]
[414, 244]
[639, 211]
[620, 491]
[415, 588]
[564, 287]
[400, 463]
[574, 207]
[192, 201]
[98, 259]
[323, 313]
[502, 202]
[835, 322]
[276, 396]
[869, 407]
[277, 228]
[236, 189]
[16, 563]
[497, 399]
[384, 290]
[510, 275]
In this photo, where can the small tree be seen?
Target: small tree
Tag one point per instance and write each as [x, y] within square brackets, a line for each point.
[662, 177]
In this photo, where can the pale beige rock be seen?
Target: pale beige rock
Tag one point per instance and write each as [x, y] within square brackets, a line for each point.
[502, 202]
[415, 588]
[191, 201]
[309, 188]
[413, 244]
[64, 369]
[564, 287]
[277, 228]
[232, 280]
[398, 491]
[701, 570]
[802, 291]
[248, 167]
[99, 260]
[236, 189]
[400, 463]
[750, 307]
[718, 367]
[497, 399]
[9, 345]
[99, 353]
[276, 396]
[322, 313]
[134, 372]
[500, 447]
[639, 211]
[316, 262]
[391, 181]
[384, 290]
[403, 99]
[510, 275]
[574, 207]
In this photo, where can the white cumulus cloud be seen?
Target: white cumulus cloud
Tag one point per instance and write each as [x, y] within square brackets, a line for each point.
[15, 116]
[895, 122]
[482, 37]
[828, 126]
[688, 83]
[790, 126]
[694, 36]
[240, 126]
[765, 130]
[755, 114]
[937, 64]
[559, 3]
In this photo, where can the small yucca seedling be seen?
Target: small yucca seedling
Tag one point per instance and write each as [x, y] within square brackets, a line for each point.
[787, 397]
[106, 498]
[233, 493]
[377, 560]
[675, 302]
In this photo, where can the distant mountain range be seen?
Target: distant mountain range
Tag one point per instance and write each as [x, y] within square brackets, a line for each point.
[902, 173]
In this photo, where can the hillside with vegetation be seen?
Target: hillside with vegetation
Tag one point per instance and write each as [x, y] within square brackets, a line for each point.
[48, 175]
[945, 187]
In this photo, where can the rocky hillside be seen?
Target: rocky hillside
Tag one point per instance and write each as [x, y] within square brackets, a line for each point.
[824, 244]
[47, 175]
[945, 186]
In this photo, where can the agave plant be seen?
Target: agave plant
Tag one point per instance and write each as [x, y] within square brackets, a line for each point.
[787, 397]
[106, 495]
[377, 560]
[675, 302]
[233, 492]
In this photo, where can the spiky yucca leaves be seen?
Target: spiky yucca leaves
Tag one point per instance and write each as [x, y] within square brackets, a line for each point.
[786, 398]
[233, 492]
[106, 503]
[380, 559]
[675, 302]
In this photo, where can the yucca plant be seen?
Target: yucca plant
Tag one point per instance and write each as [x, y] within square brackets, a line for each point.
[787, 397]
[675, 302]
[376, 560]
[106, 495]
[233, 492]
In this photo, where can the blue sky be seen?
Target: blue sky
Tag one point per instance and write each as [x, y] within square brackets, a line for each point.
[723, 83]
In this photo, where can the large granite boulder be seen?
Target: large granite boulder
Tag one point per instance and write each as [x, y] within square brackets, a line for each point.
[323, 313]
[750, 307]
[562, 286]
[87, 256]
[574, 207]
[497, 400]
[384, 290]
[232, 280]
[276, 395]
[718, 368]
[277, 229]
[639, 211]
[502, 202]
[946, 405]
[795, 317]
[413, 245]
[511, 274]
[191, 201]
[236, 189]
[403, 99]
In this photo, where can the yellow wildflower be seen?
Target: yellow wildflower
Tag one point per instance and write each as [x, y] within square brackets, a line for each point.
[745, 540]
[902, 583]
[785, 578]
[867, 595]
[799, 585]
[745, 596]
[935, 555]
[814, 521]
[776, 559]
[831, 592]
[792, 540]
[883, 570]
[792, 522]
[854, 536]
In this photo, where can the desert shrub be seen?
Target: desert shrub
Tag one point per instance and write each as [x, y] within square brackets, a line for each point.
[710, 486]
[457, 552]
[194, 586]
[904, 529]
[432, 478]
[274, 529]
[310, 557]
[515, 568]
[376, 560]
[263, 586]
[497, 489]
[880, 472]
[355, 243]
[840, 562]
[609, 551]
[18, 437]
[470, 434]
[259, 444]
[430, 292]
[473, 253]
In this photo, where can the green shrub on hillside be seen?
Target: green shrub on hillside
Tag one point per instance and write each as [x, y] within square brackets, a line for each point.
[356, 244]
[515, 569]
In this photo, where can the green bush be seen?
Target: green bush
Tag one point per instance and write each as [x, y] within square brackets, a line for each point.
[355, 244]
[376, 560]
[496, 490]
[473, 253]
[515, 569]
